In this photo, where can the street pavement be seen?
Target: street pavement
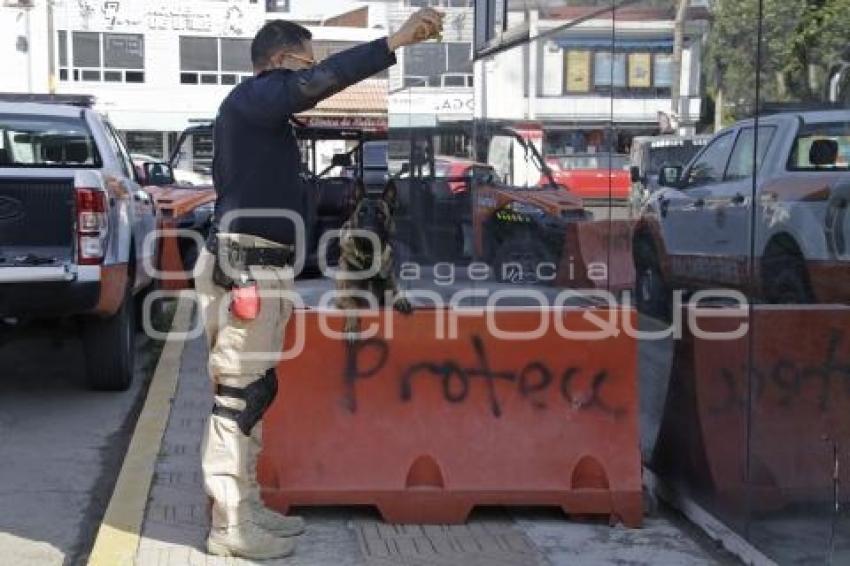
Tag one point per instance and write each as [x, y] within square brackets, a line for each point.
[61, 445]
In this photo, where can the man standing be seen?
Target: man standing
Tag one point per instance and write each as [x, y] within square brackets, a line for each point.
[245, 272]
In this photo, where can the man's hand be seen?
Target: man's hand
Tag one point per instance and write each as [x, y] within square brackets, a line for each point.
[425, 24]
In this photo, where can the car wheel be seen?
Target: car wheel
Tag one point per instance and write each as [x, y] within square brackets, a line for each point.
[784, 280]
[652, 294]
[518, 259]
[110, 348]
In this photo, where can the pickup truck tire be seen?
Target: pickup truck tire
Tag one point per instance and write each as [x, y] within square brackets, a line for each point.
[652, 294]
[110, 348]
[784, 280]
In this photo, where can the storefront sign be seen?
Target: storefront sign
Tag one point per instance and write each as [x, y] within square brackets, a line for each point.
[640, 65]
[371, 123]
[224, 19]
[436, 103]
[578, 71]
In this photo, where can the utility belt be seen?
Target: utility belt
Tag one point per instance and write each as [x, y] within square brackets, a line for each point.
[245, 296]
[241, 257]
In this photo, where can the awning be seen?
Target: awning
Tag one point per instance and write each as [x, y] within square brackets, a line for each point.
[615, 45]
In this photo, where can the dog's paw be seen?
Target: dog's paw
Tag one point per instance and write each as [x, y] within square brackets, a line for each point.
[403, 306]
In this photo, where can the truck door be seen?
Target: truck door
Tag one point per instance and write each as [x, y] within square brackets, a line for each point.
[730, 208]
[687, 214]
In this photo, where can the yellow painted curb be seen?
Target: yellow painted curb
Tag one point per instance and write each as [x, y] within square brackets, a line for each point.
[118, 537]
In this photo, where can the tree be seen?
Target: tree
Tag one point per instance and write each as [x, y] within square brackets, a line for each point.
[801, 40]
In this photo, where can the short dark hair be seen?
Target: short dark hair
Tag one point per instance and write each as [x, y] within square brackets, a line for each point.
[274, 36]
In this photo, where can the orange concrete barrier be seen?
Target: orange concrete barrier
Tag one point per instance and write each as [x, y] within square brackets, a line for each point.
[170, 259]
[425, 428]
[597, 255]
[783, 391]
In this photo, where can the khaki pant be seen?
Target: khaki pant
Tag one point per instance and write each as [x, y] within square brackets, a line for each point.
[236, 352]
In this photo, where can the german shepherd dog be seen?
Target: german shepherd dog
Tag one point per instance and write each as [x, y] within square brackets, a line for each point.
[357, 254]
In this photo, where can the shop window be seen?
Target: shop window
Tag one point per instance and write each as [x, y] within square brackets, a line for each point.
[109, 57]
[663, 77]
[62, 48]
[609, 69]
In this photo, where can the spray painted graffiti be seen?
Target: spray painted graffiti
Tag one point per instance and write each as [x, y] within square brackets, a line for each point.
[786, 381]
[457, 381]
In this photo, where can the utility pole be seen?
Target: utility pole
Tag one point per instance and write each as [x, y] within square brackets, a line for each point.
[679, 114]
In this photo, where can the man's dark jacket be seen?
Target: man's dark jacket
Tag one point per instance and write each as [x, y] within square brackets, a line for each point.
[257, 162]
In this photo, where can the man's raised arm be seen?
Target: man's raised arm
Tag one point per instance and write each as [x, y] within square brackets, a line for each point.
[275, 95]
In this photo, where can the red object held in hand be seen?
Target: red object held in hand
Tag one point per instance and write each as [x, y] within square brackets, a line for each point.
[245, 302]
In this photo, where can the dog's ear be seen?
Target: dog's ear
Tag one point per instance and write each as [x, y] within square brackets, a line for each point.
[359, 191]
[390, 195]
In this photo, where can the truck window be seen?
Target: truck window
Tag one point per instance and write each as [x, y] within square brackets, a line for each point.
[193, 163]
[741, 163]
[710, 166]
[46, 141]
[501, 158]
[801, 152]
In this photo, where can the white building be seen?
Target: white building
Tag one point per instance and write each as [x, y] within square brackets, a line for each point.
[157, 66]
[587, 85]
[599, 78]
[433, 82]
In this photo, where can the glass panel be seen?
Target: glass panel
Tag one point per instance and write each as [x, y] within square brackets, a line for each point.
[425, 63]
[799, 412]
[62, 40]
[198, 54]
[236, 55]
[44, 141]
[277, 5]
[193, 162]
[663, 71]
[690, 193]
[124, 51]
[86, 49]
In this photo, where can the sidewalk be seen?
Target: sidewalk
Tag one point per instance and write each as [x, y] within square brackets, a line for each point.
[176, 518]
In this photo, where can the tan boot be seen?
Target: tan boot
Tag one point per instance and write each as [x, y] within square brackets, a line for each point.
[248, 540]
[275, 523]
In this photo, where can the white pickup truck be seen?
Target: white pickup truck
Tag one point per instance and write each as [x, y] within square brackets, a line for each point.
[780, 235]
[73, 229]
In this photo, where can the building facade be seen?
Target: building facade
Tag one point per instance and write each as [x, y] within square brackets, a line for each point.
[591, 81]
[156, 67]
